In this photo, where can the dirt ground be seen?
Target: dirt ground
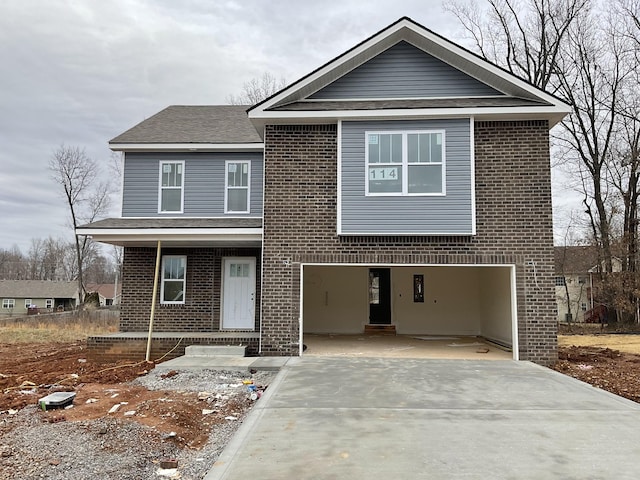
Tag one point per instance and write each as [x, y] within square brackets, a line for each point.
[610, 362]
[30, 371]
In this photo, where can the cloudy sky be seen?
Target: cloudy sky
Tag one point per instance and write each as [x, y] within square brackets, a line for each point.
[79, 72]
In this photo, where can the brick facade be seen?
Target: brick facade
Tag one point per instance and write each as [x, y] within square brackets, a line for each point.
[201, 310]
[513, 218]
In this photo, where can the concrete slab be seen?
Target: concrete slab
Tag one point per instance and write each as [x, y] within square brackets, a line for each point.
[269, 363]
[215, 350]
[329, 418]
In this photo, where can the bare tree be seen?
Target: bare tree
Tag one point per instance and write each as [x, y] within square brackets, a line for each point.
[257, 89]
[86, 198]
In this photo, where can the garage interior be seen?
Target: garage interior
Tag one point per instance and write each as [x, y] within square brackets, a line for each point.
[412, 311]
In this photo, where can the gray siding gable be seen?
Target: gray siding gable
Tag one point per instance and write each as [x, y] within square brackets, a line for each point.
[204, 184]
[451, 214]
[404, 71]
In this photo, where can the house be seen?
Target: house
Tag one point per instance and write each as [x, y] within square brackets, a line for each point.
[108, 293]
[574, 281]
[404, 184]
[578, 281]
[33, 296]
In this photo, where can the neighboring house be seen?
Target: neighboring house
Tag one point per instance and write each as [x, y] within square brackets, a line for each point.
[108, 293]
[574, 281]
[18, 296]
[405, 184]
[577, 277]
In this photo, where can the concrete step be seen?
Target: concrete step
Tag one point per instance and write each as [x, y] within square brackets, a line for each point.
[215, 350]
[380, 329]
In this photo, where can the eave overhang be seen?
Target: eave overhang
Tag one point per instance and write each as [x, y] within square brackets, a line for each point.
[187, 147]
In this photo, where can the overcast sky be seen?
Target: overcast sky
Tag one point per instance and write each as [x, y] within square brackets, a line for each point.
[80, 72]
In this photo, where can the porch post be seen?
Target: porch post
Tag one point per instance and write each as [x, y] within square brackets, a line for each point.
[153, 300]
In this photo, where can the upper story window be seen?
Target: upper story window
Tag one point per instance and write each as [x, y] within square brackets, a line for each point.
[237, 187]
[171, 187]
[174, 277]
[405, 162]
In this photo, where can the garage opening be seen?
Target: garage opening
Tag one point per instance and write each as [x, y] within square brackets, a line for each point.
[450, 308]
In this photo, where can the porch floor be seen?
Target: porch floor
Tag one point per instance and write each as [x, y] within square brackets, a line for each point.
[404, 346]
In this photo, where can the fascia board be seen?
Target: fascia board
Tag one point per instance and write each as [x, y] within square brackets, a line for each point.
[187, 147]
[552, 113]
[173, 232]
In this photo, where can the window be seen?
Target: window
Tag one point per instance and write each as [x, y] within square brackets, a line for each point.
[582, 280]
[174, 269]
[560, 282]
[48, 303]
[27, 302]
[8, 302]
[583, 307]
[405, 163]
[171, 191]
[237, 187]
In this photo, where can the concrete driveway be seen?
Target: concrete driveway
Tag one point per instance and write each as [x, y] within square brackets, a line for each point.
[364, 418]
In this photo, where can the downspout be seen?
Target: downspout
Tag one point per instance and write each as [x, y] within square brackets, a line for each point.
[153, 301]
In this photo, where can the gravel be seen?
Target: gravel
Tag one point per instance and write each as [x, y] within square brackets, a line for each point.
[110, 448]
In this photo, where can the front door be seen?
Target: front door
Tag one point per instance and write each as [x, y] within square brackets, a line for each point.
[239, 291]
[380, 296]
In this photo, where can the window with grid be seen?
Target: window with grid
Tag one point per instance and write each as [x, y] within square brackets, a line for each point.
[405, 163]
[174, 270]
[8, 302]
[560, 282]
[237, 187]
[171, 187]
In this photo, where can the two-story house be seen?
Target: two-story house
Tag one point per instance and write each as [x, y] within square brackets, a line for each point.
[405, 182]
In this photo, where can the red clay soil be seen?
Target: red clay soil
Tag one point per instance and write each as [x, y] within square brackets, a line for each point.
[28, 371]
[604, 368]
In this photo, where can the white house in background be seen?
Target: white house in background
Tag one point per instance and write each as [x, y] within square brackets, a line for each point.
[108, 293]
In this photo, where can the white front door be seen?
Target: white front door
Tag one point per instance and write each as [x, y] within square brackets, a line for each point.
[238, 293]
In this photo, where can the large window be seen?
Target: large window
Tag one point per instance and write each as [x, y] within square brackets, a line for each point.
[171, 183]
[237, 187]
[174, 274]
[8, 302]
[405, 163]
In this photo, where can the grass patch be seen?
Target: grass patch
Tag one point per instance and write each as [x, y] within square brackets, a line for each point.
[62, 328]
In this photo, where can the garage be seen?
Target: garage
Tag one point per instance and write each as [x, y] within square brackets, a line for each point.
[426, 301]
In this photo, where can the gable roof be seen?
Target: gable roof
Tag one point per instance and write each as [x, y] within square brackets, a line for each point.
[37, 289]
[187, 126]
[574, 259]
[542, 105]
[105, 290]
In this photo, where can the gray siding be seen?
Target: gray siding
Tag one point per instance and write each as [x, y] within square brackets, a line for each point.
[404, 71]
[203, 183]
[412, 215]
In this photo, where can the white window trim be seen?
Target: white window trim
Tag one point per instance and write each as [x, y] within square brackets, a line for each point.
[48, 303]
[9, 302]
[160, 187]
[184, 281]
[27, 302]
[227, 188]
[405, 163]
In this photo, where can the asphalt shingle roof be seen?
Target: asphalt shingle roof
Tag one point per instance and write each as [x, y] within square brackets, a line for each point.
[37, 289]
[194, 124]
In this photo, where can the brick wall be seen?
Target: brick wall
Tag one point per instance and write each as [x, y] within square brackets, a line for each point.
[201, 310]
[514, 226]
